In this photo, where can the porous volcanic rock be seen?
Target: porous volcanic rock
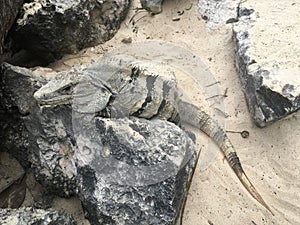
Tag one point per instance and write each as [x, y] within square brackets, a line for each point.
[37, 137]
[124, 170]
[53, 28]
[16, 102]
[267, 49]
[32, 216]
[218, 12]
[8, 12]
[140, 177]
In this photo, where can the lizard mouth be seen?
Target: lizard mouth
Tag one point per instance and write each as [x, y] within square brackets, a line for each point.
[57, 100]
[60, 96]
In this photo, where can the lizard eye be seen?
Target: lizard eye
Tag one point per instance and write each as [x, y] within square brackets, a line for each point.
[67, 89]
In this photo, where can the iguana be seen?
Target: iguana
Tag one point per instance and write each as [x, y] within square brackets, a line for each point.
[142, 89]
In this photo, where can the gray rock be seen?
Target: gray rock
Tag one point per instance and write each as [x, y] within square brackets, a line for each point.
[31, 216]
[8, 12]
[153, 6]
[12, 182]
[53, 28]
[39, 137]
[52, 143]
[140, 177]
[16, 101]
[125, 171]
[218, 12]
[267, 58]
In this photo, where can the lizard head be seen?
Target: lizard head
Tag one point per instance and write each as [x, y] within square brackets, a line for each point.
[85, 88]
[57, 91]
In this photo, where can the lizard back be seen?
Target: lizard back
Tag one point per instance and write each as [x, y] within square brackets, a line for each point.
[148, 90]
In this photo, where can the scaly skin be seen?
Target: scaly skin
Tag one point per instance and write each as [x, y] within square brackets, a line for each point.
[144, 90]
[201, 120]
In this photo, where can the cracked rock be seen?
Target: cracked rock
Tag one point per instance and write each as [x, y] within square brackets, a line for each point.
[8, 12]
[32, 216]
[53, 28]
[267, 50]
[39, 137]
[140, 177]
[218, 12]
[124, 170]
[17, 87]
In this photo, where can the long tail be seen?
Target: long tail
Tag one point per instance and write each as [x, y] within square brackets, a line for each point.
[194, 116]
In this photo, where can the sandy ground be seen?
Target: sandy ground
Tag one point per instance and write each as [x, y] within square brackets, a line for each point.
[270, 156]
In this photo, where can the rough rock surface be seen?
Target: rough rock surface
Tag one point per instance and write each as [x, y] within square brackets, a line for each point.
[125, 171]
[17, 88]
[31, 216]
[141, 176]
[153, 6]
[267, 57]
[218, 12]
[12, 188]
[53, 28]
[8, 13]
[46, 140]
[52, 142]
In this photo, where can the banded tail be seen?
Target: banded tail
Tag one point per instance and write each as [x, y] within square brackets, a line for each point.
[194, 116]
